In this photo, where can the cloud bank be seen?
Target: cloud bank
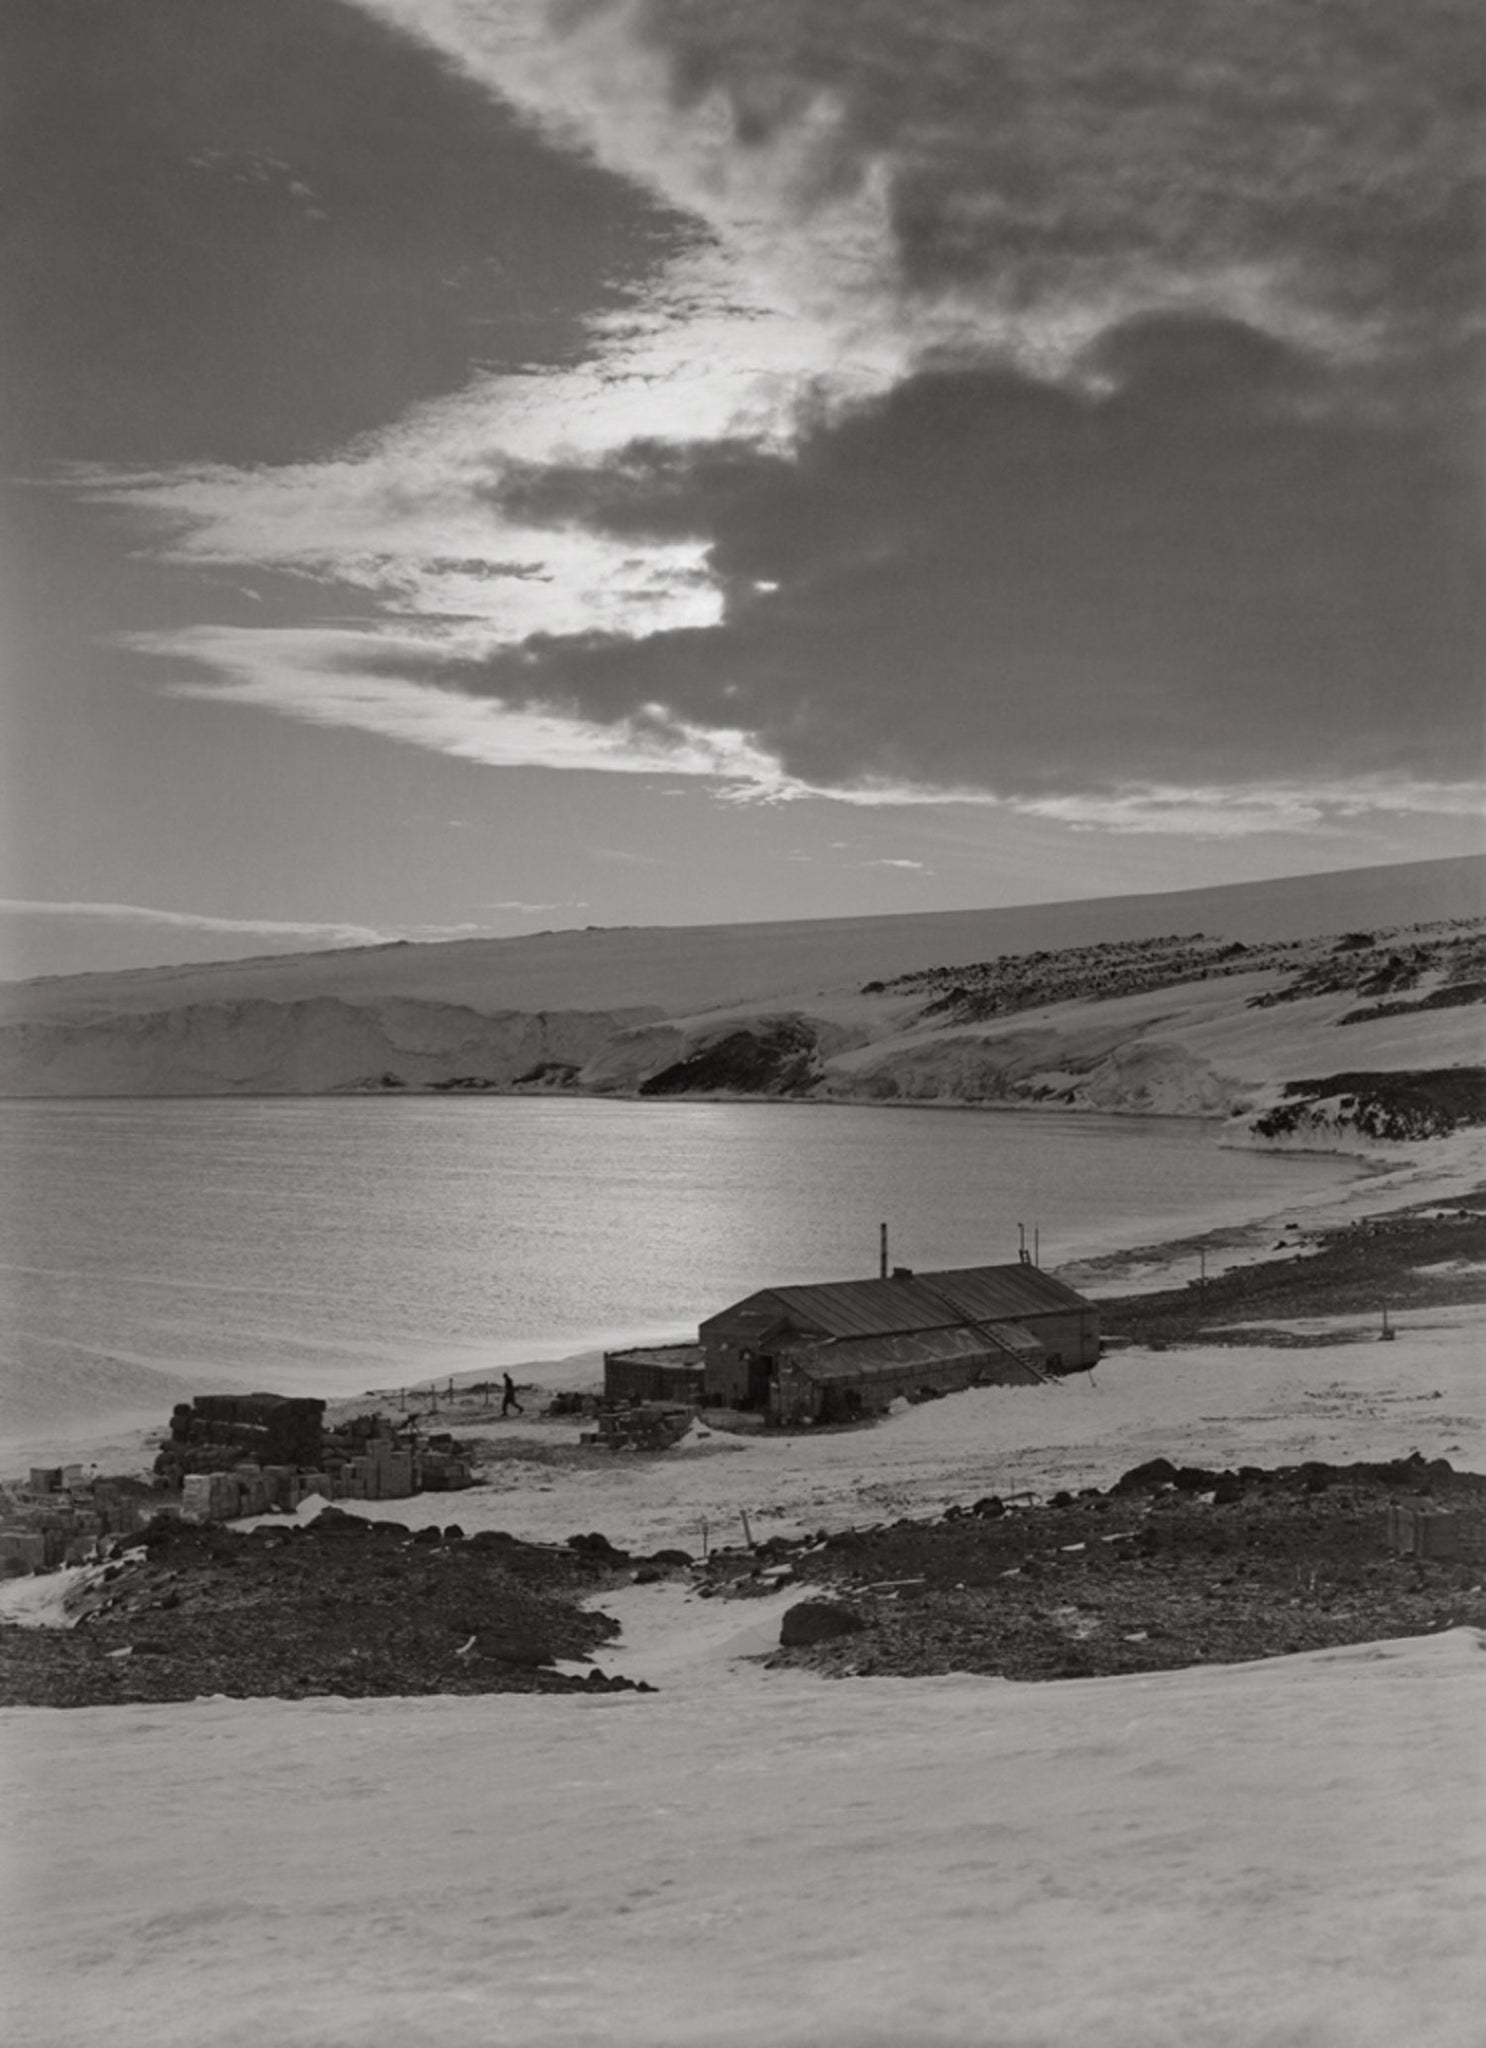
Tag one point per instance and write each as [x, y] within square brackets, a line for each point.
[1048, 404]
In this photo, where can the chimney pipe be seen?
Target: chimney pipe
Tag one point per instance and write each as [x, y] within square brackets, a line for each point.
[882, 1253]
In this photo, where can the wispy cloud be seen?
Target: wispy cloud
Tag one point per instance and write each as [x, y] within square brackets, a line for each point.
[327, 934]
[1037, 408]
[537, 909]
[1217, 812]
[328, 678]
[294, 933]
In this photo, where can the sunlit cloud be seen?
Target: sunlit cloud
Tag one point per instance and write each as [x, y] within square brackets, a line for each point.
[325, 678]
[852, 203]
[1223, 813]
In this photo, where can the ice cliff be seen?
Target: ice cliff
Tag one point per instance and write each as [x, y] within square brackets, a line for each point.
[315, 1047]
[1346, 1041]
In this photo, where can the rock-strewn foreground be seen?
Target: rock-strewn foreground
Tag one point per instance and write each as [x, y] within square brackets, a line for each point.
[340, 1605]
[1334, 1013]
[1170, 1567]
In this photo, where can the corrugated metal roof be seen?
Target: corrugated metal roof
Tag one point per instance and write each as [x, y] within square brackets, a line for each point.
[860, 1357]
[989, 1293]
[927, 1301]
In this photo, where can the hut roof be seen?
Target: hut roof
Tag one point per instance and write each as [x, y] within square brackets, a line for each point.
[853, 1358]
[917, 1301]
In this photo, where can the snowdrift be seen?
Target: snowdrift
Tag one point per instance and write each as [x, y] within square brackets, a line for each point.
[1265, 1853]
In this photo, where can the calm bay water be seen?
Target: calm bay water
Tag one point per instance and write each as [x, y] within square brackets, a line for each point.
[331, 1246]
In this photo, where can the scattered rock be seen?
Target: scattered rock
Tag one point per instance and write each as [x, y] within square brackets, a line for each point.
[817, 1621]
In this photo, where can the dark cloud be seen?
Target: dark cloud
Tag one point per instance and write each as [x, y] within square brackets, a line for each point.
[1205, 574]
[242, 230]
[1030, 144]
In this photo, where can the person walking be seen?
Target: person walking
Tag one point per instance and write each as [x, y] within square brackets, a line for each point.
[508, 1399]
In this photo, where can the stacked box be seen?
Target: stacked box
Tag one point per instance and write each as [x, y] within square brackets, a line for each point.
[22, 1550]
[1424, 1532]
[196, 1496]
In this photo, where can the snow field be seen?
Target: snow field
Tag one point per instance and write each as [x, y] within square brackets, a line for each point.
[1212, 1405]
[1283, 1853]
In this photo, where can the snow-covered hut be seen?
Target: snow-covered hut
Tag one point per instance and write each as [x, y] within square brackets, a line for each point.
[843, 1348]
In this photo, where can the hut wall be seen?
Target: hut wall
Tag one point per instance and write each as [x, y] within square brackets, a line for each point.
[726, 1372]
[838, 1397]
[734, 1345]
[1070, 1338]
[631, 1376]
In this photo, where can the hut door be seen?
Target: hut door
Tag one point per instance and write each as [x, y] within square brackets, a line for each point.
[763, 1369]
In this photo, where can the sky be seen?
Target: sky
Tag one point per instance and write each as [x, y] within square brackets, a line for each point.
[495, 465]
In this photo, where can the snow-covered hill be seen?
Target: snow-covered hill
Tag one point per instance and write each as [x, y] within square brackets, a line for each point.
[1207, 1003]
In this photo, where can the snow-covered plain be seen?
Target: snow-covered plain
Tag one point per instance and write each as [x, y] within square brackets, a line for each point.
[1292, 1852]
[1280, 1855]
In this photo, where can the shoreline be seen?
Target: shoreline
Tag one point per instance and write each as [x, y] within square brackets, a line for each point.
[1243, 1139]
[1437, 1170]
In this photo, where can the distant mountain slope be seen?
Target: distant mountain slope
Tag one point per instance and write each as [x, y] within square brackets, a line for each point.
[687, 967]
[1309, 1011]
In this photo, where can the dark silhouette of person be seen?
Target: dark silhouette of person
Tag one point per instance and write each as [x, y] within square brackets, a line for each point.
[508, 1399]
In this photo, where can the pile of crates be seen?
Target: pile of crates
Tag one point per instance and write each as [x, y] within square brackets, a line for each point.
[1431, 1532]
[366, 1460]
[642, 1426]
[60, 1514]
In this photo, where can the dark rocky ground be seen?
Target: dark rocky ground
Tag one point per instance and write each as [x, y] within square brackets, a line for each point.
[340, 1605]
[1169, 1568]
[1353, 1271]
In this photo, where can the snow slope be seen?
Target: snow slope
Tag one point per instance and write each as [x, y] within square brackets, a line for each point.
[622, 1004]
[679, 967]
[1270, 1854]
[1197, 1048]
